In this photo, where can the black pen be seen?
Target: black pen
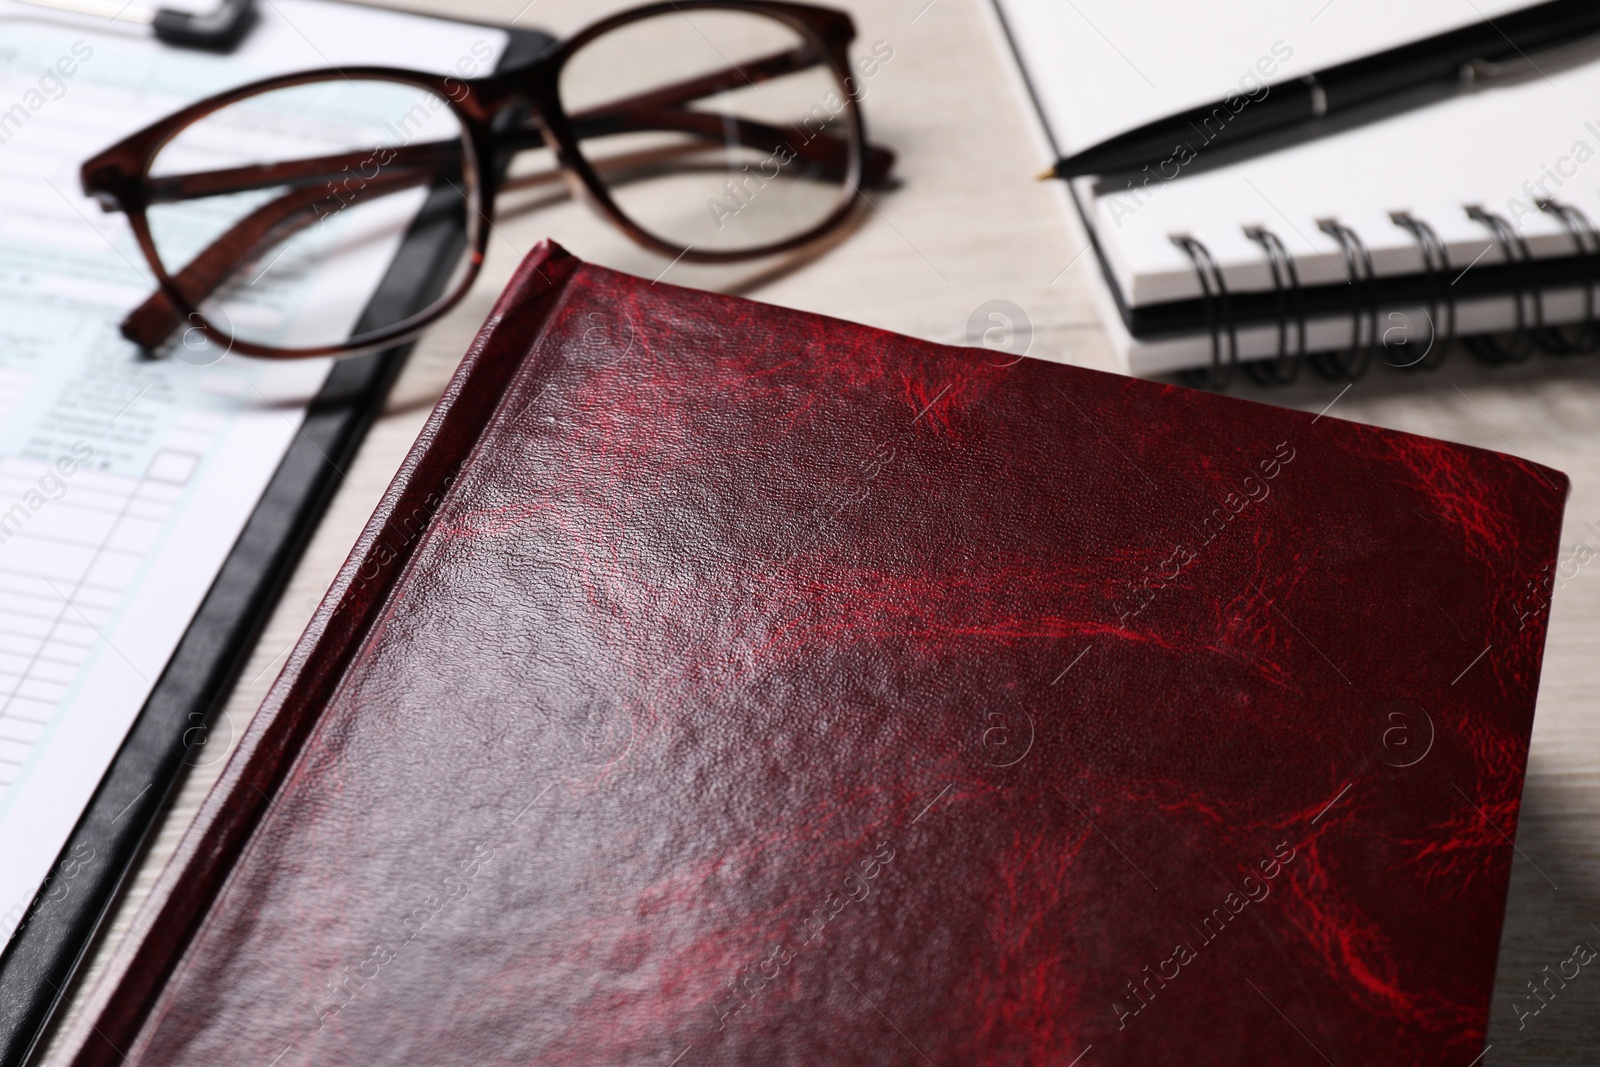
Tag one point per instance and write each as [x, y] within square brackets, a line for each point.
[1457, 56]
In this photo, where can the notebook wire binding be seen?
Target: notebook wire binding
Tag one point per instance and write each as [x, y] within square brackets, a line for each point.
[1587, 242]
[1513, 249]
[1353, 363]
[1283, 368]
[1219, 314]
[1530, 333]
[1436, 262]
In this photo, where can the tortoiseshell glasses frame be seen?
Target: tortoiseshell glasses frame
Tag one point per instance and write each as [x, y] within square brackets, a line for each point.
[500, 115]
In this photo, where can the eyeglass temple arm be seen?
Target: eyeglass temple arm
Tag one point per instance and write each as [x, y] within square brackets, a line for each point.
[657, 109]
[433, 156]
[663, 109]
[689, 90]
[352, 168]
[154, 321]
[815, 147]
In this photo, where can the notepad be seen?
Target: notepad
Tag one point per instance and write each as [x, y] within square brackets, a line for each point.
[1097, 68]
[124, 483]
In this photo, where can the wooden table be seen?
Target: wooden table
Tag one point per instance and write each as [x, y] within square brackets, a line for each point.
[967, 225]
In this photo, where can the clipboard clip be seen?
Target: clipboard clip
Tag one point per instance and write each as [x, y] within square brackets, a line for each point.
[219, 30]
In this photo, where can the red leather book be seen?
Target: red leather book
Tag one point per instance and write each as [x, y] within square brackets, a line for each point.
[722, 684]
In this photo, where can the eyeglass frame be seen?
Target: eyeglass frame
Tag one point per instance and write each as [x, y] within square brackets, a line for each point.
[117, 177]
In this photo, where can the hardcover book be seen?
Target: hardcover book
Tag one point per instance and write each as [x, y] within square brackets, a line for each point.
[722, 684]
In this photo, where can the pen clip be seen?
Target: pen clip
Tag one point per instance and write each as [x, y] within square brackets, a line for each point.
[1560, 57]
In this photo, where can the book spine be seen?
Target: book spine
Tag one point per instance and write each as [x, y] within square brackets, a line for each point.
[129, 994]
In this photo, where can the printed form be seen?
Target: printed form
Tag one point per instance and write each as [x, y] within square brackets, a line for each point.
[125, 482]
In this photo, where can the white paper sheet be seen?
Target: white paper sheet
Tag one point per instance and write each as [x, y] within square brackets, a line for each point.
[124, 483]
[1101, 67]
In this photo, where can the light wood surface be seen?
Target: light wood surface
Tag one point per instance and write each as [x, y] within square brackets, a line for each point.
[968, 225]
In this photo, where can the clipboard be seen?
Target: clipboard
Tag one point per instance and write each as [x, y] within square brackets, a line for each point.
[41, 962]
[218, 30]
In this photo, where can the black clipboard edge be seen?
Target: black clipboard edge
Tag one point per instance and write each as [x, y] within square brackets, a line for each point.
[43, 961]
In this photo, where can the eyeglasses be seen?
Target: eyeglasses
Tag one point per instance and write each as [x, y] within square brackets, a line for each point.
[708, 132]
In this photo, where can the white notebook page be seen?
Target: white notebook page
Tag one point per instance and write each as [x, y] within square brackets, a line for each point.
[1487, 148]
[124, 483]
[1099, 68]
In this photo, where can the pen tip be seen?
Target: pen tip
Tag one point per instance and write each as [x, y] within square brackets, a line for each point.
[1046, 174]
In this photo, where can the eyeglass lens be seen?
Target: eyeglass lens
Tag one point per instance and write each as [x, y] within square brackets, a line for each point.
[254, 205]
[712, 129]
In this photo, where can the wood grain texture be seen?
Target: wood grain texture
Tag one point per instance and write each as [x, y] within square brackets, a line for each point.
[968, 225]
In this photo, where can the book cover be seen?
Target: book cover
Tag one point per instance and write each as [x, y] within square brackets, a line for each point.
[721, 684]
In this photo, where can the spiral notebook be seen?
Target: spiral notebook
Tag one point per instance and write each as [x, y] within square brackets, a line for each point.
[1399, 231]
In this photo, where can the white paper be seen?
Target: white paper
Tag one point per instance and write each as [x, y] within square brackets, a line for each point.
[1100, 67]
[124, 483]
[1103, 67]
